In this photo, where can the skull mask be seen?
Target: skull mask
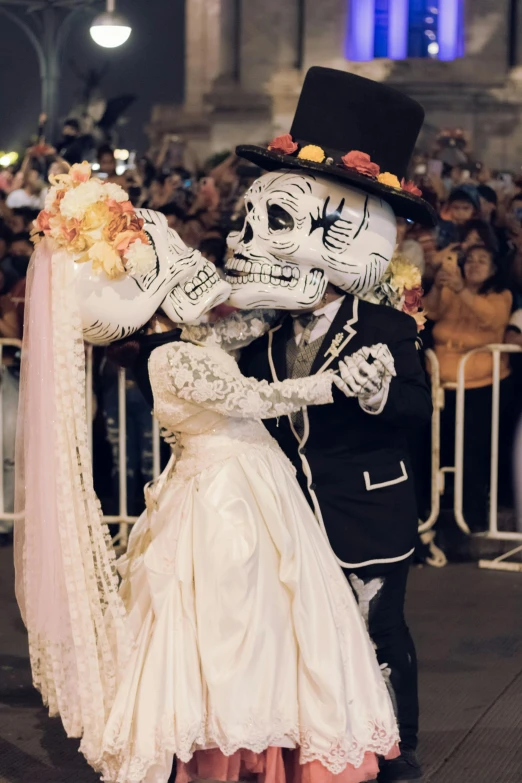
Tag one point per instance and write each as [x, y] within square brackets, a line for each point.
[301, 229]
[182, 282]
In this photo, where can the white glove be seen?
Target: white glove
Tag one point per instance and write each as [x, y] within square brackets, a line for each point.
[366, 374]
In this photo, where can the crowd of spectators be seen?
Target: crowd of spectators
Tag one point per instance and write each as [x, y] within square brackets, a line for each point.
[471, 266]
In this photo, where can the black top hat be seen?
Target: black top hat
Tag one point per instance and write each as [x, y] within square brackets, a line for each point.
[340, 113]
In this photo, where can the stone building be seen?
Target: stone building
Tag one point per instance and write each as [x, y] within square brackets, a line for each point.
[245, 61]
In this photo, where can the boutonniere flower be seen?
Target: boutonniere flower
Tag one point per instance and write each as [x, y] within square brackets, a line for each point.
[334, 349]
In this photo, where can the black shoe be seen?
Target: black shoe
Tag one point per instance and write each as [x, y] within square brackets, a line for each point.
[405, 767]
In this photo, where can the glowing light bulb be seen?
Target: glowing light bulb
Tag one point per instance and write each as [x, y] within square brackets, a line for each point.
[110, 29]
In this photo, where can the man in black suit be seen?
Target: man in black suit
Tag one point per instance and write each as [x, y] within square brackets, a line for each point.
[328, 212]
[353, 465]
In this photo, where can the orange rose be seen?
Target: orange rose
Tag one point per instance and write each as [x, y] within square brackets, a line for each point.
[411, 187]
[120, 207]
[116, 226]
[70, 230]
[75, 240]
[285, 145]
[123, 240]
[361, 163]
[42, 221]
[412, 299]
[134, 222]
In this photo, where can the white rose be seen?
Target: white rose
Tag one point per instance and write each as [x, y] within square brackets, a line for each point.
[114, 192]
[140, 259]
[76, 201]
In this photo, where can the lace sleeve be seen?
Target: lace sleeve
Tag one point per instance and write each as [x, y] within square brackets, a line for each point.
[236, 331]
[198, 376]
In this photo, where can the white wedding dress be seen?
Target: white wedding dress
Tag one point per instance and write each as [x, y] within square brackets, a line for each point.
[248, 636]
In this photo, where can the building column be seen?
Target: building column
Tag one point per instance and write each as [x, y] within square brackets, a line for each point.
[202, 50]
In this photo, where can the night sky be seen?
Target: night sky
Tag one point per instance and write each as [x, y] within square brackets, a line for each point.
[149, 65]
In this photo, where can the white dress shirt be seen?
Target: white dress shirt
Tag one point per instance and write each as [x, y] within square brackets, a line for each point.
[326, 317]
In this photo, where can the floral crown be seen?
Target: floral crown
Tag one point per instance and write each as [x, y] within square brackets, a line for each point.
[357, 161]
[95, 221]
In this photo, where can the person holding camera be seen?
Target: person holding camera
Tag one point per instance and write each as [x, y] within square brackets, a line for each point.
[470, 307]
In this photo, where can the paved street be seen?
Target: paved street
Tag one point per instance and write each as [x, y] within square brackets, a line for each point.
[468, 627]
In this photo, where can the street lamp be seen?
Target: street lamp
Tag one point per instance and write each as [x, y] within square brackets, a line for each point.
[46, 24]
[110, 29]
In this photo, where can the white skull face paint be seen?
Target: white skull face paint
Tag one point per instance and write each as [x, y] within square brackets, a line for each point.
[113, 309]
[198, 294]
[297, 224]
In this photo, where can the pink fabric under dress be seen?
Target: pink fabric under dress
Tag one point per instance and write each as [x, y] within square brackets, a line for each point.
[275, 765]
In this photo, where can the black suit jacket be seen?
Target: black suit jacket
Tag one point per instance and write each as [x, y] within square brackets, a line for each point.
[354, 466]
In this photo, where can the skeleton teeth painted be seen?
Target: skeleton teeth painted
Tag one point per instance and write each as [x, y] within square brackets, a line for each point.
[253, 278]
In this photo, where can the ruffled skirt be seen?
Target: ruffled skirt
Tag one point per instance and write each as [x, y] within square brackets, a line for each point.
[251, 655]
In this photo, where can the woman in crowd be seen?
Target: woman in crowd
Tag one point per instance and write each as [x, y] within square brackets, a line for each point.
[29, 194]
[477, 232]
[470, 308]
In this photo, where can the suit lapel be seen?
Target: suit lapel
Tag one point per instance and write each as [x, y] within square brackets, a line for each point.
[342, 330]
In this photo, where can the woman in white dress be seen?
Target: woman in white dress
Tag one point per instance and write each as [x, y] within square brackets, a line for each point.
[234, 643]
[249, 640]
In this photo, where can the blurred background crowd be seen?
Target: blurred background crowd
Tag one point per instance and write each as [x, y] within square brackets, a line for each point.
[471, 265]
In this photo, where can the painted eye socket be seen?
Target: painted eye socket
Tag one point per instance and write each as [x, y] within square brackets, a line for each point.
[279, 219]
[249, 206]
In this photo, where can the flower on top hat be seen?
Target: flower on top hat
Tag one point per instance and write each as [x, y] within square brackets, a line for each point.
[386, 178]
[312, 152]
[283, 144]
[355, 160]
[361, 163]
[411, 187]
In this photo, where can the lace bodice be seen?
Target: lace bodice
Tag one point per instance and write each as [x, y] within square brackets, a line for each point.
[199, 392]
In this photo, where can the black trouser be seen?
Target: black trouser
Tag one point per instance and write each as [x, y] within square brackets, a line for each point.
[393, 642]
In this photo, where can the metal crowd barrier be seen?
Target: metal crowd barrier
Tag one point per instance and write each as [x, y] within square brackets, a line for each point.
[122, 519]
[438, 471]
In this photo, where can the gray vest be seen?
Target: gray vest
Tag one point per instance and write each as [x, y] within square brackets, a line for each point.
[299, 361]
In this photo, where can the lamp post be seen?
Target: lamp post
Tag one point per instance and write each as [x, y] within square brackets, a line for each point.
[46, 24]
